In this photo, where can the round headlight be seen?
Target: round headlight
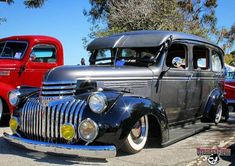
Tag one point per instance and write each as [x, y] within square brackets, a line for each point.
[13, 123]
[14, 97]
[88, 130]
[97, 102]
[67, 131]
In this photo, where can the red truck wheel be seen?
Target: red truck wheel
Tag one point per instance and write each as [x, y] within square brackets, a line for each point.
[1, 109]
[4, 118]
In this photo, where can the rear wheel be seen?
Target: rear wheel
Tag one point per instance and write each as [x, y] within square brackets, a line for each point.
[218, 114]
[137, 138]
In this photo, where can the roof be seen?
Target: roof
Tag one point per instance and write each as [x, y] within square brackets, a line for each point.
[144, 38]
[30, 38]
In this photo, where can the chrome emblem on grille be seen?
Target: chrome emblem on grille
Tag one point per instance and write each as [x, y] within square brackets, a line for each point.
[44, 101]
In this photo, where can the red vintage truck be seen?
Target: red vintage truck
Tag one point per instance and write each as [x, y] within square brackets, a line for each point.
[23, 61]
[229, 86]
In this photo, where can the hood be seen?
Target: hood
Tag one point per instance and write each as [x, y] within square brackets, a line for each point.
[74, 73]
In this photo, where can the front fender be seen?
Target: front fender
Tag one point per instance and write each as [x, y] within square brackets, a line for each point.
[215, 97]
[5, 89]
[117, 122]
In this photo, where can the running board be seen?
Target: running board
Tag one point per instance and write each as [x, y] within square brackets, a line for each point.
[182, 132]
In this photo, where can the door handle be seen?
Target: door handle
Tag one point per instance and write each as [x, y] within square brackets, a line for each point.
[189, 74]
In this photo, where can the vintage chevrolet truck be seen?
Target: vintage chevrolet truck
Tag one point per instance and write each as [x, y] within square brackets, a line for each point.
[139, 86]
[23, 61]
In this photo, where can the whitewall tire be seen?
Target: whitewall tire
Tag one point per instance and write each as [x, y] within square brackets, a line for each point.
[218, 114]
[137, 138]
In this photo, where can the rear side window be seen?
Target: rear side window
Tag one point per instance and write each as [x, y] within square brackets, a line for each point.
[200, 58]
[43, 53]
[217, 64]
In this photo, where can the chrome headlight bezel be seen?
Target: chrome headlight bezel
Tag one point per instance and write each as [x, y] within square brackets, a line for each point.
[14, 97]
[95, 130]
[97, 102]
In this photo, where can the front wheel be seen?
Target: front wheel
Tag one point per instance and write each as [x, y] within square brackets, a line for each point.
[137, 138]
[218, 114]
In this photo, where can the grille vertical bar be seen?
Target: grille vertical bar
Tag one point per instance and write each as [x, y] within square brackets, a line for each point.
[52, 121]
[57, 124]
[77, 116]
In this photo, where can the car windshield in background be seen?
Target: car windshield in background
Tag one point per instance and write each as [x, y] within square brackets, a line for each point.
[12, 49]
[230, 76]
[124, 56]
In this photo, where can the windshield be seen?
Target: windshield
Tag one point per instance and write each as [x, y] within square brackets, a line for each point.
[230, 76]
[124, 56]
[12, 49]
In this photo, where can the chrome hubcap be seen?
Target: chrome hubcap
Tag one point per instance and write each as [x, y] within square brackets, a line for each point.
[218, 113]
[138, 132]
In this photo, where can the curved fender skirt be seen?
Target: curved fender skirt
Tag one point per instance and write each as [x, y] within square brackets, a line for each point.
[78, 150]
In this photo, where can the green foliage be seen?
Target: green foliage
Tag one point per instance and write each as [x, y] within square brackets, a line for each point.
[226, 37]
[34, 3]
[28, 3]
[190, 16]
[199, 16]
[229, 59]
[2, 20]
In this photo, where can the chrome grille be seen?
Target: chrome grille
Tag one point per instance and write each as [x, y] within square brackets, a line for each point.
[43, 123]
[58, 88]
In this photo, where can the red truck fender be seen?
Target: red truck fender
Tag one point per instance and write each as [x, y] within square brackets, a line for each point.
[5, 89]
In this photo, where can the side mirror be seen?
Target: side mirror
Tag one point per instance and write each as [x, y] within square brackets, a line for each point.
[177, 62]
[201, 63]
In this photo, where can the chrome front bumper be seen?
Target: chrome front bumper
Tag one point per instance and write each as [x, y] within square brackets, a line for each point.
[78, 150]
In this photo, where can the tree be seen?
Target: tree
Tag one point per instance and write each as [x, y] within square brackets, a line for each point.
[143, 14]
[229, 59]
[226, 37]
[28, 3]
[191, 16]
[199, 16]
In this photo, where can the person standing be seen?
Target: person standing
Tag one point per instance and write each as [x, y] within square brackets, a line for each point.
[83, 61]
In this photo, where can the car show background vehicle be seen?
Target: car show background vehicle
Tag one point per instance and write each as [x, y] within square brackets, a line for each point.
[140, 85]
[229, 86]
[23, 61]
